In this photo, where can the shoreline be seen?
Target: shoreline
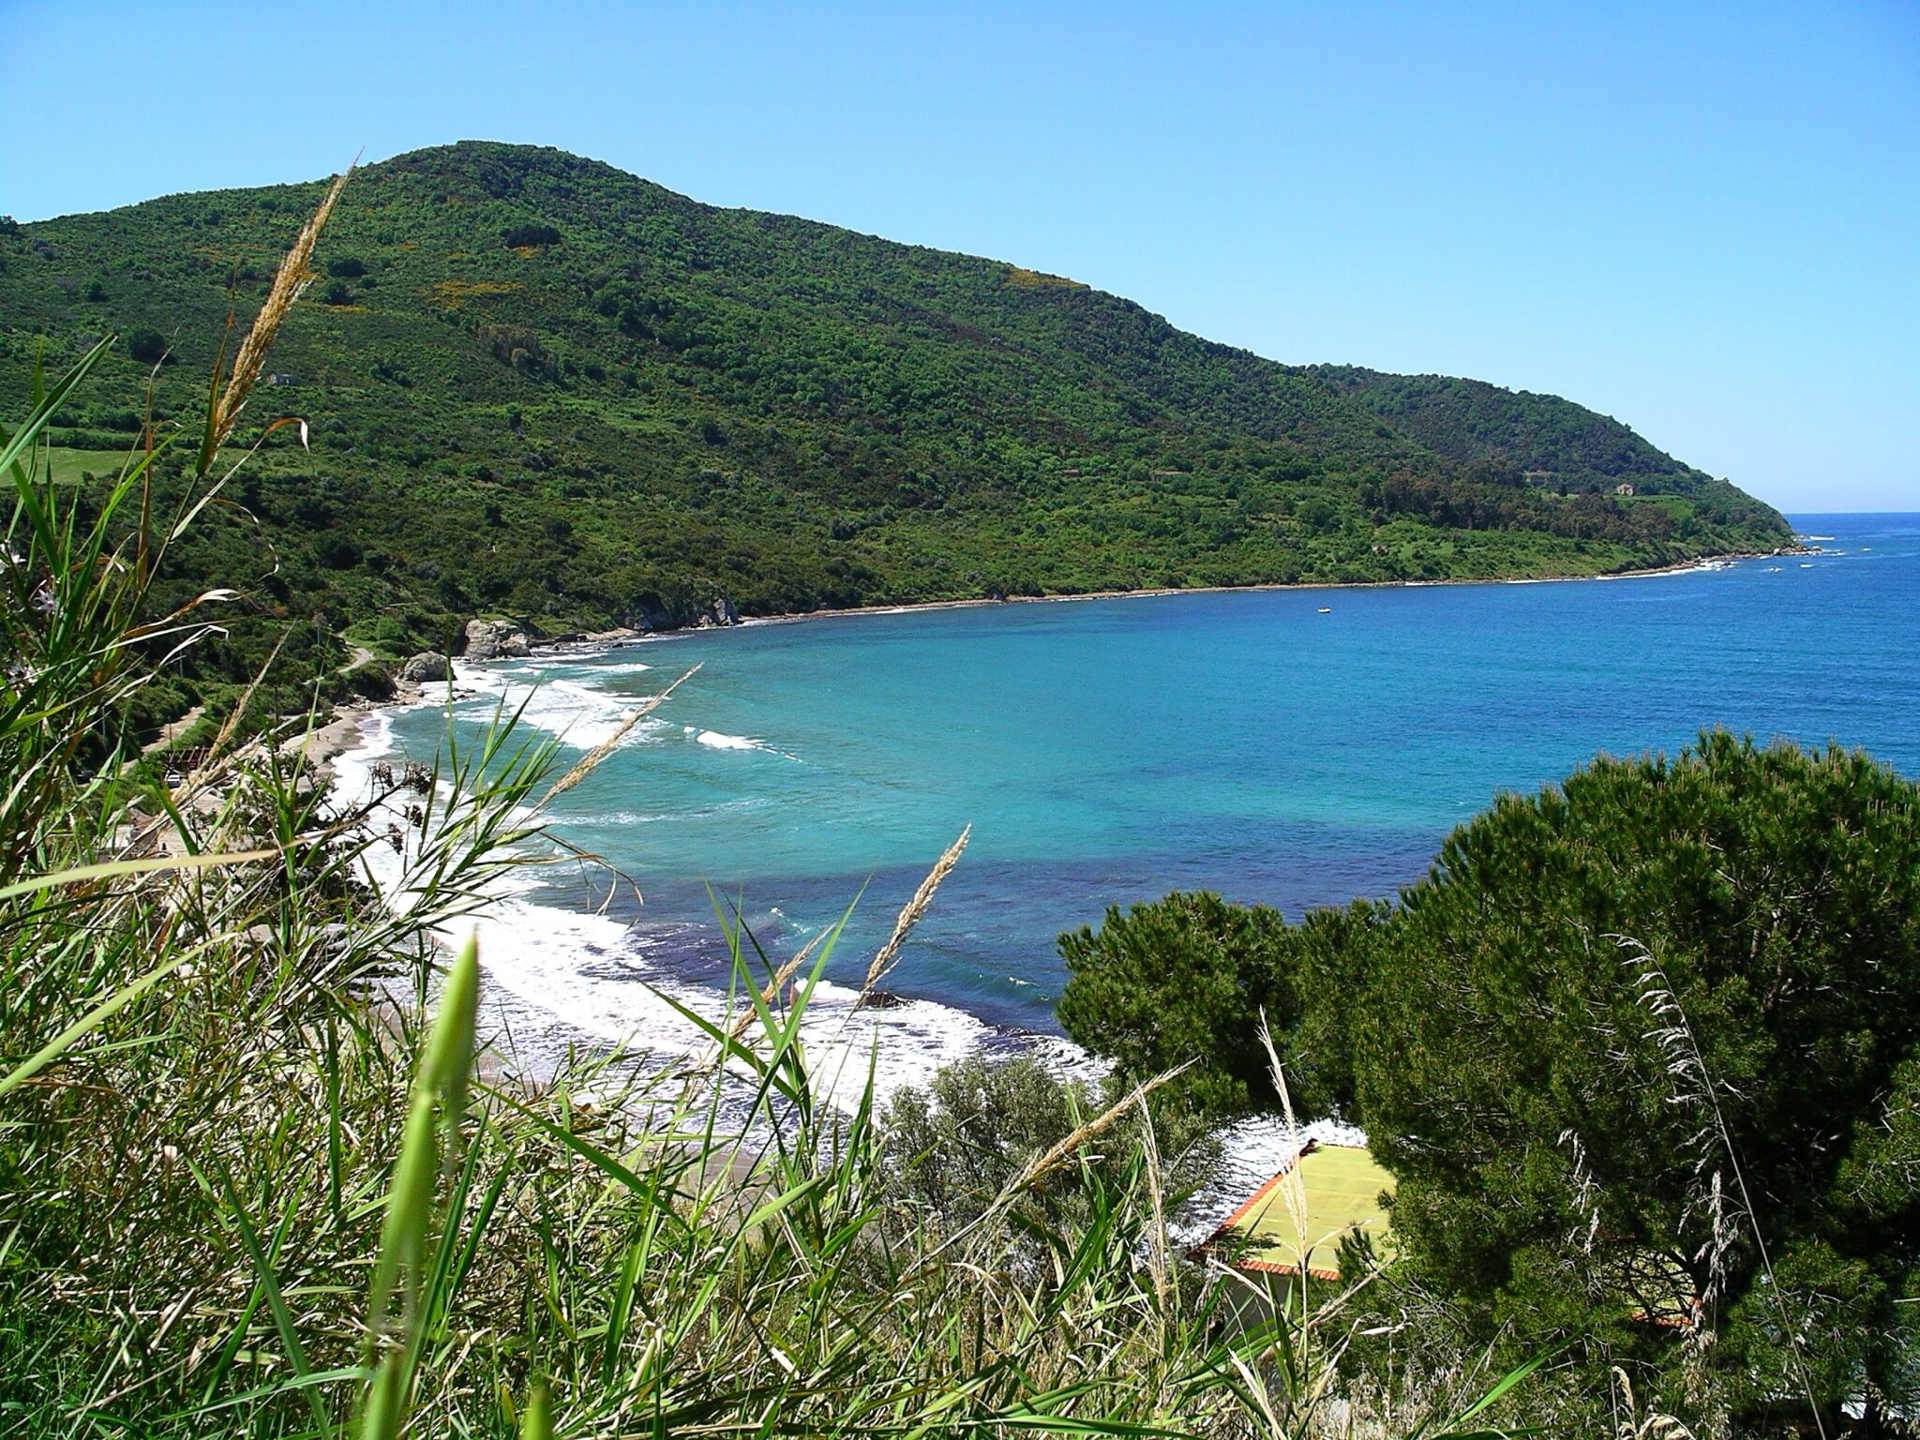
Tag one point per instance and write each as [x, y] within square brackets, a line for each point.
[326, 742]
[599, 641]
[352, 725]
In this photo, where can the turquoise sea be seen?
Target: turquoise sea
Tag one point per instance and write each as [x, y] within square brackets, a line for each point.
[1295, 747]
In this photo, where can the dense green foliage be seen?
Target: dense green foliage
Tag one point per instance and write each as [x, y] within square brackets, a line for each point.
[980, 1123]
[246, 1191]
[233, 1202]
[1630, 1027]
[1189, 978]
[539, 385]
[1641, 1048]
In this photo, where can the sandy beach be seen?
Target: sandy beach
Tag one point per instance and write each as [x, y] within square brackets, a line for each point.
[617, 638]
[343, 732]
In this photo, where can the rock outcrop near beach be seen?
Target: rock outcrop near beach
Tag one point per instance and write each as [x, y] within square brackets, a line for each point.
[429, 667]
[496, 640]
[717, 611]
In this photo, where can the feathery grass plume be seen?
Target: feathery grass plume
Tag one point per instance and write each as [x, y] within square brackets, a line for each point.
[590, 762]
[1062, 1150]
[1586, 1191]
[1630, 1424]
[1293, 1189]
[226, 400]
[1693, 1085]
[1159, 1251]
[910, 916]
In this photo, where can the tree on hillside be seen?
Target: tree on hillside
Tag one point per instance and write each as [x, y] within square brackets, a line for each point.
[1628, 1029]
[149, 347]
[1186, 979]
[951, 1149]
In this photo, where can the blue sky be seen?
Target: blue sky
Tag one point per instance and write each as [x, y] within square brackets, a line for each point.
[1702, 219]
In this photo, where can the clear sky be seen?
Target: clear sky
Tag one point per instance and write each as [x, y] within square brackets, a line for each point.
[1702, 219]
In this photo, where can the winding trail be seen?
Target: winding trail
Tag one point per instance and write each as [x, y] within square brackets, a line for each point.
[173, 730]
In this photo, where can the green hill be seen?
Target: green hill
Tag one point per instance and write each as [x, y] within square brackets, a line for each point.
[541, 386]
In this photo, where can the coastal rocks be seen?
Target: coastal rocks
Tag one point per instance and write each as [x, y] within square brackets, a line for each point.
[717, 611]
[427, 668]
[589, 641]
[495, 640]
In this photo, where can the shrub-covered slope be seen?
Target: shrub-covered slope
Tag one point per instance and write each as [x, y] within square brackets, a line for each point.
[540, 385]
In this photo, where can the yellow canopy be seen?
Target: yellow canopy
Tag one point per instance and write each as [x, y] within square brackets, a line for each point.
[1323, 1195]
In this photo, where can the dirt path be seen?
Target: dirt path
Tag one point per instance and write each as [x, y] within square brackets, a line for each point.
[173, 730]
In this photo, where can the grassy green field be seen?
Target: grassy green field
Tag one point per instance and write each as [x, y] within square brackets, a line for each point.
[68, 465]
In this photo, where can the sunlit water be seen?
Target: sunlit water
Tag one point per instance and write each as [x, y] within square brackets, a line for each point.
[1292, 747]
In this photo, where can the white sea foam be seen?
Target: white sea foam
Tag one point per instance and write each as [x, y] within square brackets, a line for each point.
[603, 819]
[716, 740]
[720, 740]
[353, 785]
[1065, 1058]
[740, 805]
[573, 708]
[559, 977]
[1697, 567]
[578, 977]
[578, 715]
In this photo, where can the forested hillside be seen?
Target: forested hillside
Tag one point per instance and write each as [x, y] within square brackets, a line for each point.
[541, 386]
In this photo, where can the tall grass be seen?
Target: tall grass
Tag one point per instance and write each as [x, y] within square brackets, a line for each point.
[247, 1188]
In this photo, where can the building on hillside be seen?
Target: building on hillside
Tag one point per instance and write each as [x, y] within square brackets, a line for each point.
[1299, 1218]
[1625, 487]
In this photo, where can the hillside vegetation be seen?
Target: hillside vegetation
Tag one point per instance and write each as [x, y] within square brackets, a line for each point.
[1641, 1052]
[268, 1167]
[541, 386]
[248, 1190]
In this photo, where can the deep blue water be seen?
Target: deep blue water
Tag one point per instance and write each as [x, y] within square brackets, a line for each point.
[1107, 751]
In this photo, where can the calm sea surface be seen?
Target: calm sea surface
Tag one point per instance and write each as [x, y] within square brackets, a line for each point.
[1107, 751]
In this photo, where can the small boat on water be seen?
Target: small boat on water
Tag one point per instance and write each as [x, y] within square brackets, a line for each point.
[1326, 609]
[1806, 564]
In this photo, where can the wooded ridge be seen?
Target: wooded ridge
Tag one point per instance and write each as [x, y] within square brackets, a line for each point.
[542, 387]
